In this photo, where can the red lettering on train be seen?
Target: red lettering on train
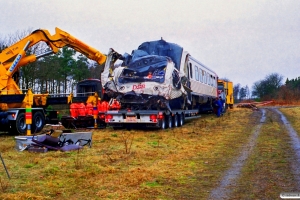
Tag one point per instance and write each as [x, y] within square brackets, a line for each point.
[138, 87]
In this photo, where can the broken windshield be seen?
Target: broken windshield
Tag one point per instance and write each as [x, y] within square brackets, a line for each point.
[147, 68]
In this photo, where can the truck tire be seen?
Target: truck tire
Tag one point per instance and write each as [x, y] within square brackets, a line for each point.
[163, 124]
[118, 127]
[169, 121]
[20, 125]
[175, 120]
[38, 122]
[225, 108]
[180, 119]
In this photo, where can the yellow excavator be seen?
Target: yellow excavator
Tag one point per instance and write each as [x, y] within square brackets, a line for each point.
[18, 111]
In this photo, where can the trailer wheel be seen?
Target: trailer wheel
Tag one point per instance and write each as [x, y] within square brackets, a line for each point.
[180, 119]
[118, 127]
[38, 122]
[163, 124]
[170, 121]
[175, 120]
[20, 125]
[225, 108]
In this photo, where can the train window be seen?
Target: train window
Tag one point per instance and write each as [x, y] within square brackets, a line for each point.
[191, 71]
[208, 79]
[196, 73]
[188, 71]
[200, 75]
[204, 77]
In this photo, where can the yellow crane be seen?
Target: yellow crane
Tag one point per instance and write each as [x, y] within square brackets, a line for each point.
[16, 107]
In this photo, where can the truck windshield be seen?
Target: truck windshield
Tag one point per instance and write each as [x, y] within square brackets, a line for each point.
[220, 87]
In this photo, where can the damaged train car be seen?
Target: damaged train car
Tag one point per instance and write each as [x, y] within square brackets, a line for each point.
[157, 85]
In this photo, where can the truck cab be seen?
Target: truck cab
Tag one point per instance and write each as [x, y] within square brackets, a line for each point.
[225, 91]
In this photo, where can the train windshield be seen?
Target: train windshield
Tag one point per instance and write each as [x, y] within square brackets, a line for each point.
[145, 69]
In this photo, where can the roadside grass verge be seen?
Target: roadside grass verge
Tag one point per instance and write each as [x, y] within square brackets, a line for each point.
[293, 116]
[268, 172]
[180, 163]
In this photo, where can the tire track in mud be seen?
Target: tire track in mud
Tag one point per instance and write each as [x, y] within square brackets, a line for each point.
[229, 179]
[295, 141]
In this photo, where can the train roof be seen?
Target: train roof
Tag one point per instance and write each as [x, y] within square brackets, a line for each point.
[163, 48]
[208, 69]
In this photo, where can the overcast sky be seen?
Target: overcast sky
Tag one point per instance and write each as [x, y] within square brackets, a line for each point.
[242, 40]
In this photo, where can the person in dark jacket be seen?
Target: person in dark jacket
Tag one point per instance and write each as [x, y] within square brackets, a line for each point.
[223, 104]
[218, 106]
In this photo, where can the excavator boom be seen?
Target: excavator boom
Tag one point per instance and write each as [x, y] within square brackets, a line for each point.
[55, 42]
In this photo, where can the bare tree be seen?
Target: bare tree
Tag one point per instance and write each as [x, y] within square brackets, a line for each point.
[225, 79]
[267, 88]
[247, 90]
[3, 44]
[236, 91]
[242, 93]
[17, 36]
[96, 70]
[29, 78]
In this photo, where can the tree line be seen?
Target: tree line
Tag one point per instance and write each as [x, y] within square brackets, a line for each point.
[270, 88]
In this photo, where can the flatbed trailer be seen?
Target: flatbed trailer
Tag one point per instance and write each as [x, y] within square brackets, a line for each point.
[149, 118]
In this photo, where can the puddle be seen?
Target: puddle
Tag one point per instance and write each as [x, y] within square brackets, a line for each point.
[229, 179]
[295, 141]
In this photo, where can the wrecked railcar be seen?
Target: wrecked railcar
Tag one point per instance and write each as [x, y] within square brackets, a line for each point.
[160, 84]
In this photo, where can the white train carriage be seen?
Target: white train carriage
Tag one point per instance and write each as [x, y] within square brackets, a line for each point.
[202, 82]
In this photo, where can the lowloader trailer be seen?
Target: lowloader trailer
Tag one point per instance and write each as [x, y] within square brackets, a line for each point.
[149, 118]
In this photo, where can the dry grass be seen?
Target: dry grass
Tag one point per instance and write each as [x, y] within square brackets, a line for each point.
[179, 163]
[293, 116]
[284, 103]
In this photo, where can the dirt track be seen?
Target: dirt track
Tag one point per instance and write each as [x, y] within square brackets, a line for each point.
[223, 190]
[230, 178]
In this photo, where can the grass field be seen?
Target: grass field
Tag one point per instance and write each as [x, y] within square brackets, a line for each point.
[180, 163]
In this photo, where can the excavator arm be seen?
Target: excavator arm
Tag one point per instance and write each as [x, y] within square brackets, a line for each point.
[15, 56]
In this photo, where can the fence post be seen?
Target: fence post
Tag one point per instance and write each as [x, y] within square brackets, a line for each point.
[4, 166]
